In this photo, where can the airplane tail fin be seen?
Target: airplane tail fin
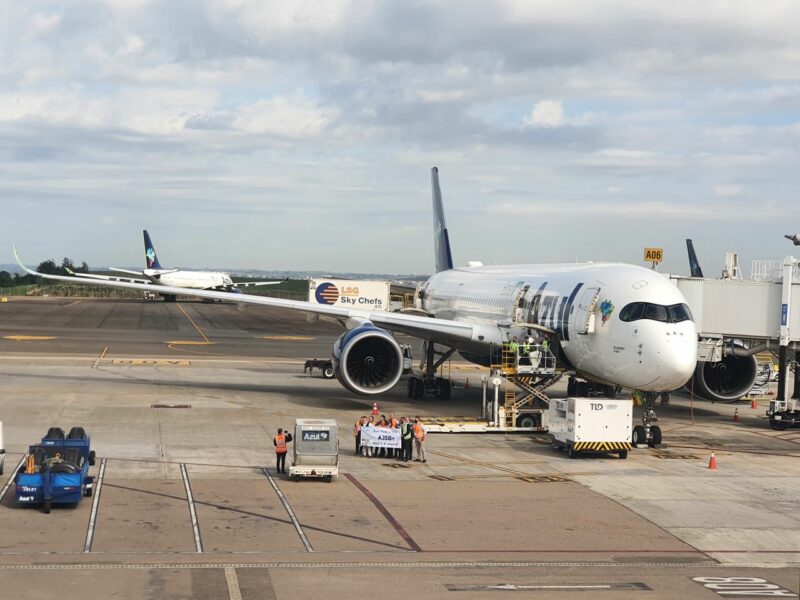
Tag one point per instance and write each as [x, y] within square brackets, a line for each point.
[694, 264]
[150, 258]
[441, 241]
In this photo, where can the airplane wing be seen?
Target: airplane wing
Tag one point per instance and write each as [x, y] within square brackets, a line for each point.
[107, 277]
[439, 330]
[125, 271]
[254, 283]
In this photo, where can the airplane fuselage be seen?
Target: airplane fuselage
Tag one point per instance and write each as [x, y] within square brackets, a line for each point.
[198, 280]
[581, 304]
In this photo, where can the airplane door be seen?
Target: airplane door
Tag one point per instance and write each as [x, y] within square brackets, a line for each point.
[521, 305]
[584, 314]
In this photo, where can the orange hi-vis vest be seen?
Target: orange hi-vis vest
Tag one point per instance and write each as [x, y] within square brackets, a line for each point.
[280, 444]
[394, 423]
[419, 433]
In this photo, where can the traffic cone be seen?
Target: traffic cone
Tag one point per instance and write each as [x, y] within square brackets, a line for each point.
[375, 408]
[753, 404]
[466, 384]
[736, 416]
[712, 462]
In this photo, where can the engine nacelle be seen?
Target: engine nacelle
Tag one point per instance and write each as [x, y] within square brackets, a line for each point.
[367, 360]
[729, 379]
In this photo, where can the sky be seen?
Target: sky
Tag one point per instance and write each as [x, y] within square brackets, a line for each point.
[300, 135]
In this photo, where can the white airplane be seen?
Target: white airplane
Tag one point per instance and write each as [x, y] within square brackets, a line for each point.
[177, 278]
[615, 324]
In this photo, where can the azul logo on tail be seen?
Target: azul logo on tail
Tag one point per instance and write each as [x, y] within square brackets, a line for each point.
[151, 260]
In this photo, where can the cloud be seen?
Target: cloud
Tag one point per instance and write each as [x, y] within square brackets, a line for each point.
[251, 115]
[547, 113]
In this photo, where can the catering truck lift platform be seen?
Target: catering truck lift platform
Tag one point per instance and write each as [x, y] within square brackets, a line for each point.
[519, 377]
[56, 471]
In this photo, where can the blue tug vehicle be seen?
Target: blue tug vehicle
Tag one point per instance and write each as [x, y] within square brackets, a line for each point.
[56, 470]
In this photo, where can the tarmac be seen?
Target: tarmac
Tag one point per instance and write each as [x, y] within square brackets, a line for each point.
[182, 400]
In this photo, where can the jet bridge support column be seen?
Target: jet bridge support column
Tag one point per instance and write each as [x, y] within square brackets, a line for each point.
[786, 302]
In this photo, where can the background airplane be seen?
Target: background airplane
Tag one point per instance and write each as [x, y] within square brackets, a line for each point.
[176, 278]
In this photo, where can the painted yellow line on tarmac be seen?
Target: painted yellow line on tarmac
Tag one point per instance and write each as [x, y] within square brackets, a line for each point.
[189, 343]
[200, 331]
[287, 338]
[29, 338]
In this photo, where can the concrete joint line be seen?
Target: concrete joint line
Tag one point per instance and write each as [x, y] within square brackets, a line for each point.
[198, 542]
[289, 511]
[87, 547]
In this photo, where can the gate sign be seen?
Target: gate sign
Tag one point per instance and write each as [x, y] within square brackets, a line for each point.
[654, 255]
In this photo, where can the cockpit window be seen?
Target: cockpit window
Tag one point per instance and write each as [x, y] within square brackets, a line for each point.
[656, 312]
[674, 313]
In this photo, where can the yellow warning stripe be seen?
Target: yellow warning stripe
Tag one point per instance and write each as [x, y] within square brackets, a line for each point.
[602, 446]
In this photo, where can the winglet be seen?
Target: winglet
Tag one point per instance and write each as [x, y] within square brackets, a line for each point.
[21, 264]
[441, 241]
[694, 264]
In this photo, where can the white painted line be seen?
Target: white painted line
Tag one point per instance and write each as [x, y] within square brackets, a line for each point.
[289, 511]
[233, 584]
[514, 587]
[198, 542]
[11, 477]
[98, 484]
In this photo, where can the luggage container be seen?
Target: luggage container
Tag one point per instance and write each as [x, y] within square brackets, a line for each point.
[315, 449]
[591, 425]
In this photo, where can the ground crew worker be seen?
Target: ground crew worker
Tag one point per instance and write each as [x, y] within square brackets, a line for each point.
[419, 439]
[406, 437]
[513, 346]
[394, 424]
[280, 442]
[357, 433]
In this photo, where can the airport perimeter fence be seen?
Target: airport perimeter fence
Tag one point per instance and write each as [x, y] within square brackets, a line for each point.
[280, 294]
[70, 291]
[19, 290]
[92, 291]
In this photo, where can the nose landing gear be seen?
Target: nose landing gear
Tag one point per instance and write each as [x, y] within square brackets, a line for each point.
[647, 434]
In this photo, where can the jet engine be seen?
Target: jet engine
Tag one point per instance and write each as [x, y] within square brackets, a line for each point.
[367, 360]
[729, 379]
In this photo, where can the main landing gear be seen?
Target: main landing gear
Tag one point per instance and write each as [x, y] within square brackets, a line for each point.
[429, 383]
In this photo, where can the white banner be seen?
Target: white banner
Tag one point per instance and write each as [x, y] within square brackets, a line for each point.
[380, 437]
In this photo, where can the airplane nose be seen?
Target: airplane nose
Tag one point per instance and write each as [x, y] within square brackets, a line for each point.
[679, 356]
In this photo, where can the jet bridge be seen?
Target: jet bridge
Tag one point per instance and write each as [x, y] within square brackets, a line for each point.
[736, 318]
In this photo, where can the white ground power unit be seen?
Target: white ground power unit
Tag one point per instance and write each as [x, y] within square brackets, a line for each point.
[585, 425]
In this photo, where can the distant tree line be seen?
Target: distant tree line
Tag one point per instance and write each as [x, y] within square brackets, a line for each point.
[50, 267]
